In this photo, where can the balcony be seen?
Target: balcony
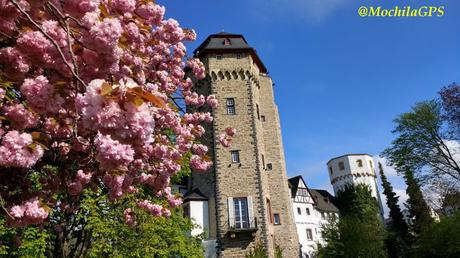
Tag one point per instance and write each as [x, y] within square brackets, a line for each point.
[242, 228]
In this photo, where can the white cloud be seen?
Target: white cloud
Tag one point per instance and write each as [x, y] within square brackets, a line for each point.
[388, 170]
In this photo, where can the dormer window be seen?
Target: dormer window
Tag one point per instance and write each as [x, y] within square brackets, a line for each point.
[227, 42]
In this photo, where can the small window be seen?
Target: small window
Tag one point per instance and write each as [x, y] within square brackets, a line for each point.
[258, 112]
[341, 166]
[230, 106]
[299, 211]
[330, 170]
[360, 163]
[309, 234]
[276, 219]
[269, 166]
[370, 163]
[227, 42]
[235, 156]
[262, 118]
[308, 211]
[238, 56]
[219, 57]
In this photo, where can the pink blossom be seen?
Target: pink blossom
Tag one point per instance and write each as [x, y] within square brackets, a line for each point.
[197, 67]
[30, 212]
[124, 6]
[105, 34]
[19, 117]
[41, 95]
[111, 153]
[151, 12]
[16, 63]
[225, 140]
[212, 101]
[153, 209]
[83, 177]
[200, 149]
[16, 150]
[230, 131]
[130, 218]
[198, 164]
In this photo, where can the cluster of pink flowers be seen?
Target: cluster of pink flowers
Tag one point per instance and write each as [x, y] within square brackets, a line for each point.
[226, 138]
[16, 150]
[19, 117]
[101, 90]
[130, 217]
[30, 212]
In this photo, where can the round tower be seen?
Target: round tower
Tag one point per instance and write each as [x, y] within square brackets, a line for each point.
[354, 169]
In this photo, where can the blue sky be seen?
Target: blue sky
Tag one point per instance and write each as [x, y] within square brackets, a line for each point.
[340, 79]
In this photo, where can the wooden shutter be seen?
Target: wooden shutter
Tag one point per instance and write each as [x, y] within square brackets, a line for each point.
[252, 221]
[231, 213]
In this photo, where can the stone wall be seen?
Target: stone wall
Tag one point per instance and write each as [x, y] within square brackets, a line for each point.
[240, 79]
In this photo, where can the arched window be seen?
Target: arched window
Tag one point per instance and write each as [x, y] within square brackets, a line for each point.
[360, 163]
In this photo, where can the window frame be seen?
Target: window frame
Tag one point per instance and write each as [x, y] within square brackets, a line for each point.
[232, 155]
[230, 105]
[309, 236]
[276, 219]
[240, 213]
[341, 165]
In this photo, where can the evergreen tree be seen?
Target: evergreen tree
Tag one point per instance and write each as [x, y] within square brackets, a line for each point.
[398, 236]
[398, 224]
[418, 208]
[359, 232]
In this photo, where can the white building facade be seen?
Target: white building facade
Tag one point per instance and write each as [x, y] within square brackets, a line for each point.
[354, 169]
[312, 209]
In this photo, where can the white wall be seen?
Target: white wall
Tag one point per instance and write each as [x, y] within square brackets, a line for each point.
[354, 174]
[200, 215]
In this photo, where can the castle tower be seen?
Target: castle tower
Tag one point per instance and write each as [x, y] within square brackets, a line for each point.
[247, 189]
[354, 169]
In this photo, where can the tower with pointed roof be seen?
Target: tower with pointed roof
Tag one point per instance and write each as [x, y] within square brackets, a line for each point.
[247, 191]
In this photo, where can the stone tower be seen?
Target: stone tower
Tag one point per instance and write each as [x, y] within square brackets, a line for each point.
[246, 190]
[354, 169]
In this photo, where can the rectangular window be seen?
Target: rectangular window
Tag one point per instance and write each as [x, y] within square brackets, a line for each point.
[219, 57]
[269, 211]
[240, 206]
[308, 211]
[235, 156]
[230, 106]
[341, 166]
[269, 166]
[309, 234]
[299, 211]
[262, 118]
[276, 219]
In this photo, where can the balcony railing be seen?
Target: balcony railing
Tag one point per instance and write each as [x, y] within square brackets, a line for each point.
[242, 226]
